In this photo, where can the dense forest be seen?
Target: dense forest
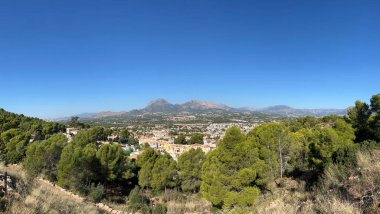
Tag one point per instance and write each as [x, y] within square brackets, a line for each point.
[331, 160]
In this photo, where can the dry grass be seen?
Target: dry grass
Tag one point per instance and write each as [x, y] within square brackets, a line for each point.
[292, 198]
[279, 206]
[14, 171]
[287, 199]
[191, 205]
[334, 205]
[361, 185]
[31, 196]
[321, 205]
[44, 200]
[178, 203]
[117, 206]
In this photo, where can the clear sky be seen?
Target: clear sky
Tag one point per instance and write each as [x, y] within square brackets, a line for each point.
[59, 58]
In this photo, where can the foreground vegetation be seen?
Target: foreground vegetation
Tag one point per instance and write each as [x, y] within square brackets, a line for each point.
[305, 165]
[33, 196]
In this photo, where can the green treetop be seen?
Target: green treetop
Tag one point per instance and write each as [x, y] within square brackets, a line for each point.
[42, 157]
[229, 172]
[190, 168]
[181, 139]
[196, 138]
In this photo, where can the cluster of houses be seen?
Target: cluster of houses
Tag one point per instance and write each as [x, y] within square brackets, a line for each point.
[159, 140]
[70, 132]
[217, 130]
[174, 150]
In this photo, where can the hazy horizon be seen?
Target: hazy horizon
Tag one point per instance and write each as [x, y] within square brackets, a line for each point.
[143, 106]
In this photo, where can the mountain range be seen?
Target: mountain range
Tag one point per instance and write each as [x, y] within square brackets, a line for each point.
[289, 111]
[161, 105]
[196, 106]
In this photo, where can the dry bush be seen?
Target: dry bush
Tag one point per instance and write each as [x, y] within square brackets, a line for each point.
[292, 198]
[360, 185]
[288, 198]
[190, 206]
[280, 202]
[279, 206]
[178, 203]
[366, 186]
[321, 205]
[122, 205]
[334, 205]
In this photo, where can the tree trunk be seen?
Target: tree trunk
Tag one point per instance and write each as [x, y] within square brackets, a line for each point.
[280, 156]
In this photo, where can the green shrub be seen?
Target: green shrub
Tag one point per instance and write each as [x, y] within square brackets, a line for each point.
[3, 204]
[173, 195]
[346, 156]
[12, 158]
[369, 145]
[118, 199]
[96, 193]
[145, 209]
[159, 209]
[137, 200]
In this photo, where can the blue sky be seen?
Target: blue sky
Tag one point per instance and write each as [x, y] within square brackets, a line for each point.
[60, 58]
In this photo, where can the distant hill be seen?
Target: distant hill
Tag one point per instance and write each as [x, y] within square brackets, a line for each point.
[160, 105]
[289, 111]
[197, 106]
[200, 105]
[83, 115]
[107, 114]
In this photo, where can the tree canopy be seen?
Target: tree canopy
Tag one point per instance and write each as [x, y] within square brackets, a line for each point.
[230, 172]
[366, 119]
[181, 139]
[190, 167]
[41, 158]
[114, 164]
[196, 138]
